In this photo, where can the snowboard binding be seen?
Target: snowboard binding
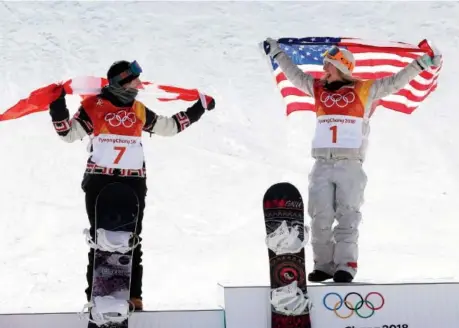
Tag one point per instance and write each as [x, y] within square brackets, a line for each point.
[290, 300]
[108, 309]
[112, 241]
[285, 239]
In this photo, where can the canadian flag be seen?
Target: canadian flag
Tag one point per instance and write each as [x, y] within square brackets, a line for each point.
[85, 86]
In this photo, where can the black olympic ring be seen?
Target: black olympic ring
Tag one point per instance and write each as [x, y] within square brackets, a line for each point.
[354, 307]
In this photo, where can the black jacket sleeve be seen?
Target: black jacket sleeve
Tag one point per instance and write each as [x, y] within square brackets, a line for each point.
[69, 129]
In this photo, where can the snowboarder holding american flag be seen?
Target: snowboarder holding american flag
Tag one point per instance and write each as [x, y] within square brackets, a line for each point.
[343, 106]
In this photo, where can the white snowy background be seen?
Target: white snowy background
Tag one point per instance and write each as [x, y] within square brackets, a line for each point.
[203, 221]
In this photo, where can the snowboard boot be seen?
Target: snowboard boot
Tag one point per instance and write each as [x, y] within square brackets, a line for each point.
[318, 275]
[138, 304]
[342, 276]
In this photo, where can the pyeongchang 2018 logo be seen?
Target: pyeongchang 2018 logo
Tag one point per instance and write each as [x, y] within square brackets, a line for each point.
[354, 304]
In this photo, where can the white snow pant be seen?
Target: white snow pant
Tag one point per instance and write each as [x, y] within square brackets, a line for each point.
[336, 190]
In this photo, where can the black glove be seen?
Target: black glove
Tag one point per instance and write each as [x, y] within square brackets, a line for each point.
[195, 112]
[210, 103]
[271, 47]
[58, 108]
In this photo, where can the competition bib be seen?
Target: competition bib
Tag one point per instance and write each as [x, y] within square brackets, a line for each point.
[338, 131]
[117, 151]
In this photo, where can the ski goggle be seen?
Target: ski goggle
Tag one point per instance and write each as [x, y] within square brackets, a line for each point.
[335, 53]
[132, 72]
[135, 68]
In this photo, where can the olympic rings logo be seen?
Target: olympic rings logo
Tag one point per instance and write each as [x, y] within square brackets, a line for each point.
[336, 99]
[354, 303]
[126, 119]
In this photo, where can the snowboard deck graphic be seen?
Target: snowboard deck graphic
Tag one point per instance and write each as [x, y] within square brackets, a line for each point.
[117, 209]
[283, 202]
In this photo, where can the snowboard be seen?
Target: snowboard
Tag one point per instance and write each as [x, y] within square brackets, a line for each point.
[117, 208]
[283, 205]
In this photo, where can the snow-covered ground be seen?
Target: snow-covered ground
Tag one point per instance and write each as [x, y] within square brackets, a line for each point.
[203, 221]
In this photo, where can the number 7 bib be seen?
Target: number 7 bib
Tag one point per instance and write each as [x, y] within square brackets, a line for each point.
[338, 131]
[117, 151]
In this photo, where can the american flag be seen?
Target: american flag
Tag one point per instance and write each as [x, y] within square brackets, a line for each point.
[373, 60]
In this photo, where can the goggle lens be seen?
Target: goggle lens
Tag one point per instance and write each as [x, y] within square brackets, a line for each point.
[135, 68]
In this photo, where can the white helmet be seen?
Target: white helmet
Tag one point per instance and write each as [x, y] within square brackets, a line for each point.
[341, 58]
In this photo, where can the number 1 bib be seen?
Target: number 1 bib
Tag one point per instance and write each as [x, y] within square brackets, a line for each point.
[117, 151]
[338, 131]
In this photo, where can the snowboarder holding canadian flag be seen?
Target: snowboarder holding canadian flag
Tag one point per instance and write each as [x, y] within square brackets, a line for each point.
[337, 180]
[115, 121]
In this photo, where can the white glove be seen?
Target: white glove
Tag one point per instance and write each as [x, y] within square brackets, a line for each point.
[272, 47]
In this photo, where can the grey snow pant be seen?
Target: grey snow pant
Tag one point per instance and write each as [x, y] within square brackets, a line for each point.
[336, 190]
